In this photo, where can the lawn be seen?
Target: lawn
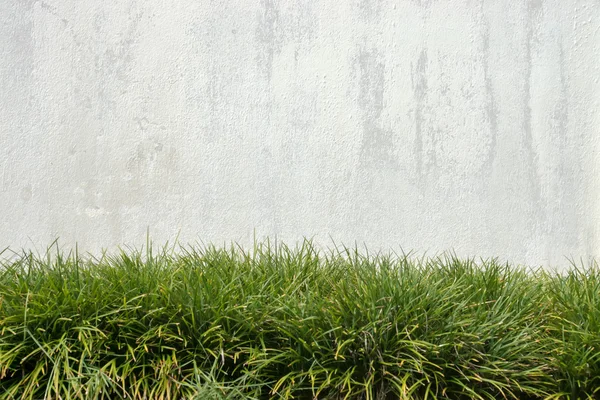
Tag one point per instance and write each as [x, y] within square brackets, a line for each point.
[205, 322]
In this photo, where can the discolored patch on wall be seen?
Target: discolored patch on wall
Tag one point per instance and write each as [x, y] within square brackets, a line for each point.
[424, 5]
[26, 193]
[491, 106]
[419, 86]
[370, 9]
[268, 36]
[533, 15]
[152, 156]
[377, 148]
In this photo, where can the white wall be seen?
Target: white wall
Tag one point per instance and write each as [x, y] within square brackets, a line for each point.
[431, 125]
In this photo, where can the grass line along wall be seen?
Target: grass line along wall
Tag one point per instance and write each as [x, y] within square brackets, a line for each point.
[429, 125]
[280, 322]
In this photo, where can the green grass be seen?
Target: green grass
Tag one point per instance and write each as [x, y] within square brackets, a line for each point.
[274, 322]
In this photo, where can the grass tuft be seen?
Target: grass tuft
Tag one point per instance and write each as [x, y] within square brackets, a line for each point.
[278, 322]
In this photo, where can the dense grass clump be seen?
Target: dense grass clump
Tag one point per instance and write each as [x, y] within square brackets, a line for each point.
[274, 322]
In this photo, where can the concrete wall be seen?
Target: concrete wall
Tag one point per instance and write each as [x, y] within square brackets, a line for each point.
[431, 124]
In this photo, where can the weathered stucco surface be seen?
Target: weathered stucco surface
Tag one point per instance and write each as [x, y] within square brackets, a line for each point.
[426, 125]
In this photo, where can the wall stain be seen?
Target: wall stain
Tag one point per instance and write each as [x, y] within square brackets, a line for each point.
[491, 107]
[534, 11]
[424, 4]
[377, 147]
[26, 193]
[370, 9]
[19, 44]
[112, 62]
[116, 58]
[151, 156]
[561, 112]
[419, 84]
[267, 33]
[299, 25]
[565, 209]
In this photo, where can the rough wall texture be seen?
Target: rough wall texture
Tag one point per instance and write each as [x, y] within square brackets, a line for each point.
[425, 124]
